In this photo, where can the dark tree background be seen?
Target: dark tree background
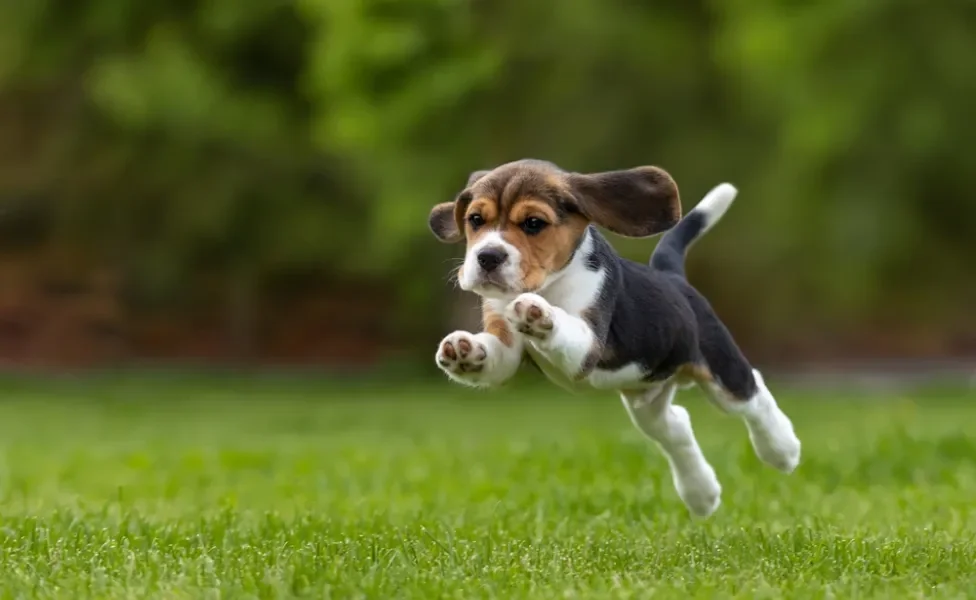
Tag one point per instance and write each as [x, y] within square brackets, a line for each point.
[250, 179]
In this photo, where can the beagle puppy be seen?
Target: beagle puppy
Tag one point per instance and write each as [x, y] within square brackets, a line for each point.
[554, 289]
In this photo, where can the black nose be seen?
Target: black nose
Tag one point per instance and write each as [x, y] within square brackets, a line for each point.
[491, 258]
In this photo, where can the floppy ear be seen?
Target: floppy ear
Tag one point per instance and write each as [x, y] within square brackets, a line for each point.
[446, 218]
[443, 223]
[637, 202]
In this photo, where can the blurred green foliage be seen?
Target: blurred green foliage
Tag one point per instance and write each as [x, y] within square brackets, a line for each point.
[255, 137]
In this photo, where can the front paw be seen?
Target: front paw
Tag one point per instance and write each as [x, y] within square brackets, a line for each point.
[461, 355]
[531, 315]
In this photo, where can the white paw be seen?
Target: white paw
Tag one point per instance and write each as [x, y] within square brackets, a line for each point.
[702, 494]
[697, 485]
[772, 436]
[531, 315]
[461, 355]
[776, 444]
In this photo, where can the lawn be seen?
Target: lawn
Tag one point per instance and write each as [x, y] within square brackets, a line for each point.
[145, 487]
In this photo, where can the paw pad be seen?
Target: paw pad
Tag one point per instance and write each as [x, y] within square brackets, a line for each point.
[460, 353]
[531, 315]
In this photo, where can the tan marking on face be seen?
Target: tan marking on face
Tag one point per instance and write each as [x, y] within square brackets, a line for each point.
[530, 207]
[487, 208]
[547, 251]
[496, 325]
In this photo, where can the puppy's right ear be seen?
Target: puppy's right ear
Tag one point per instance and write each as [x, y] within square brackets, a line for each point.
[446, 219]
[444, 224]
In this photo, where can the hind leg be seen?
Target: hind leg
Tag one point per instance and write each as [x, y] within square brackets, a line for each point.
[732, 384]
[770, 430]
[668, 425]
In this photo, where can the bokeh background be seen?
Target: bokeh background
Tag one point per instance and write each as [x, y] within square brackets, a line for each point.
[246, 182]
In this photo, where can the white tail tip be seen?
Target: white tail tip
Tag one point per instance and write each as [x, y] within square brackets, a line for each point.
[716, 202]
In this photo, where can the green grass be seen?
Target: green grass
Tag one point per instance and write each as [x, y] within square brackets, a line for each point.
[242, 489]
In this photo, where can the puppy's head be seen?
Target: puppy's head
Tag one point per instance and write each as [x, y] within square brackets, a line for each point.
[524, 220]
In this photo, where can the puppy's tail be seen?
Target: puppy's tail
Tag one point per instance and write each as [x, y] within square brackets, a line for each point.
[669, 255]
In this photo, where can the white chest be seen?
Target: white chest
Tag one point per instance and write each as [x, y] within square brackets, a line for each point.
[627, 377]
[574, 291]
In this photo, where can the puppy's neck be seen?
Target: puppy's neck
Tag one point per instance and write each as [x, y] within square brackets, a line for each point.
[578, 286]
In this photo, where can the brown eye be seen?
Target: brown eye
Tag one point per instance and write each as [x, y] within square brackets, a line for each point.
[476, 221]
[533, 225]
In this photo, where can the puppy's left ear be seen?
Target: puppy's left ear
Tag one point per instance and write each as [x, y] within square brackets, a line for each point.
[637, 202]
[445, 219]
